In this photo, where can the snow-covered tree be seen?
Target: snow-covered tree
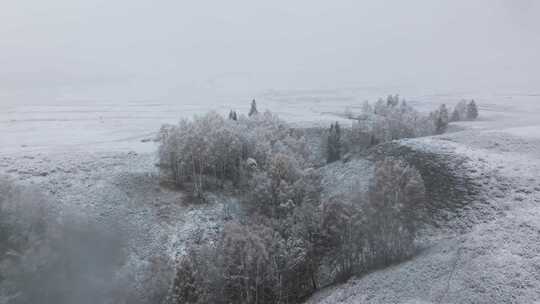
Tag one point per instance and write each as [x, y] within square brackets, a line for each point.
[343, 237]
[394, 211]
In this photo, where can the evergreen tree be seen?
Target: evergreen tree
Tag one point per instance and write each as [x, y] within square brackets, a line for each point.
[334, 143]
[253, 110]
[455, 115]
[472, 110]
[233, 115]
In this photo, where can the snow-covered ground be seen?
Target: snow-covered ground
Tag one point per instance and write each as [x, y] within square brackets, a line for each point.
[94, 159]
[121, 125]
[118, 190]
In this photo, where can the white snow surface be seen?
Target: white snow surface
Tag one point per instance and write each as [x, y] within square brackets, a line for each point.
[94, 159]
[87, 125]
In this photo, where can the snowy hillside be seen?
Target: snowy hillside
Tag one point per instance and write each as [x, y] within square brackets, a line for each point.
[488, 251]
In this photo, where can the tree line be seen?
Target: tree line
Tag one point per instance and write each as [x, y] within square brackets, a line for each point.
[391, 119]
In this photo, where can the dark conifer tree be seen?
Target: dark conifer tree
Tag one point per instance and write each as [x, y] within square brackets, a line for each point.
[253, 110]
[233, 115]
[472, 110]
[334, 143]
[441, 119]
[455, 115]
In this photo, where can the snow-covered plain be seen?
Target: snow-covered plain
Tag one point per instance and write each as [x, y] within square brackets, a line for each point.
[97, 159]
[121, 125]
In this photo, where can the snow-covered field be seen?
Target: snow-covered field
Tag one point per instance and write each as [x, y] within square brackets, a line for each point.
[121, 125]
[95, 159]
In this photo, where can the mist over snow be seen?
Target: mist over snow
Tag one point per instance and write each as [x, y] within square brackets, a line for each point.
[214, 51]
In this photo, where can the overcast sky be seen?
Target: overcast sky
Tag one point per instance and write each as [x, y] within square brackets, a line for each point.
[170, 49]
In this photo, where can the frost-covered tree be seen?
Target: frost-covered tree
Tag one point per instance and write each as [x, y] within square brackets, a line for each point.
[394, 211]
[198, 277]
[253, 110]
[343, 237]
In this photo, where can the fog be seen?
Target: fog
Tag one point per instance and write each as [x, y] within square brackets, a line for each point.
[179, 50]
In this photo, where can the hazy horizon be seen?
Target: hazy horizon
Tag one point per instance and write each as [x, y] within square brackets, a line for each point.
[173, 50]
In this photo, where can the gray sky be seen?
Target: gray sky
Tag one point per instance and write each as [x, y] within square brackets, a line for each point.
[104, 49]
